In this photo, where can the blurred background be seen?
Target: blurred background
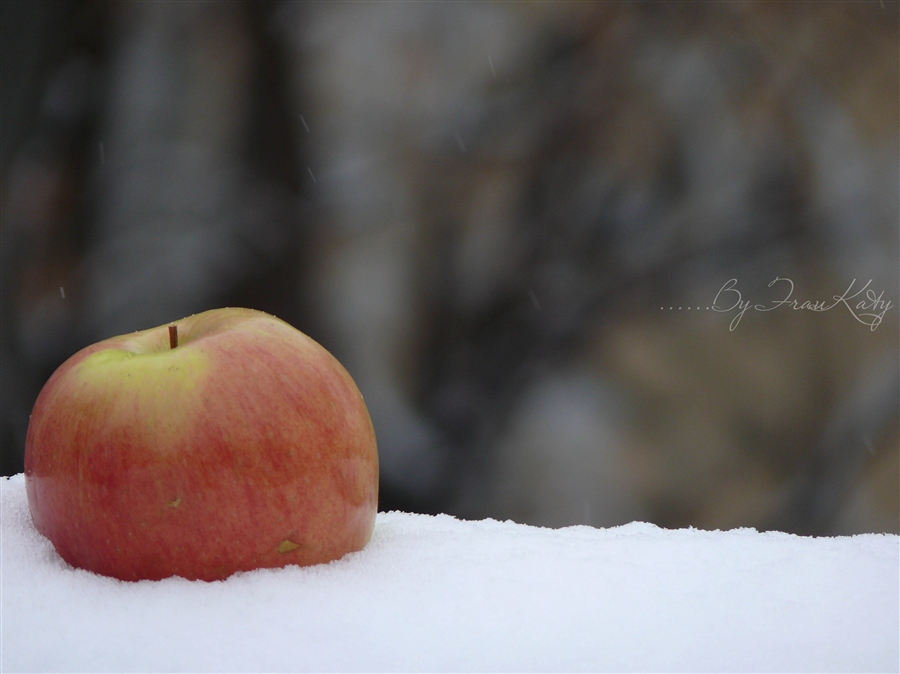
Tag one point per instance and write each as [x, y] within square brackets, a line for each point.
[522, 227]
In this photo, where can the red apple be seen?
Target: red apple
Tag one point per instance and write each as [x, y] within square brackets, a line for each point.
[226, 442]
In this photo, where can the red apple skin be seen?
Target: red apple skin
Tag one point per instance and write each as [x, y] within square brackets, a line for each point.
[247, 445]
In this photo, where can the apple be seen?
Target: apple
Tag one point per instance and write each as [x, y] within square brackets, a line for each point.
[224, 442]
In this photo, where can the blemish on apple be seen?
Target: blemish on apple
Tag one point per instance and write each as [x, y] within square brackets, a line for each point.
[287, 545]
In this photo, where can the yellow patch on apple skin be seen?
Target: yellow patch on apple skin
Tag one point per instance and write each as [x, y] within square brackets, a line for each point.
[154, 368]
[159, 387]
[175, 502]
[287, 545]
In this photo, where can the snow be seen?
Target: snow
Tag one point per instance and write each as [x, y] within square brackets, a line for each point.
[437, 593]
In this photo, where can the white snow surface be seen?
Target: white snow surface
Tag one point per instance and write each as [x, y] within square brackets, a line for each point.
[437, 594]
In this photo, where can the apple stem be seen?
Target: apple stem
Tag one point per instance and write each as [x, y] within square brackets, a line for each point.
[173, 336]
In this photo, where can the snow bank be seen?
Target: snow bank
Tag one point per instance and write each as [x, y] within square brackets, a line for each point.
[436, 593]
